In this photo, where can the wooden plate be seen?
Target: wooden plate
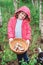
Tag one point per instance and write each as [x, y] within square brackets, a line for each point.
[21, 42]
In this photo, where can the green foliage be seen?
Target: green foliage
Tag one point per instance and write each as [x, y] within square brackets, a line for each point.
[6, 3]
[26, 1]
[34, 40]
[8, 55]
[7, 12]
[33, 61]
[23, 63]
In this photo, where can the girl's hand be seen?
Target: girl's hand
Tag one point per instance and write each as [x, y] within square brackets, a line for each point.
[10, 40]
[28, 42]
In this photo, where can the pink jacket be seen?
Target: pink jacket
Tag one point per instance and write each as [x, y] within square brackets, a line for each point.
[26, 29]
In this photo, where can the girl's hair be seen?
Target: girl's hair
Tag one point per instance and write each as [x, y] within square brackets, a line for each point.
[16, 15]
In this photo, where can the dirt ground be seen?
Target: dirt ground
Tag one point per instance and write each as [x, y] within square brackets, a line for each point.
[40, 43]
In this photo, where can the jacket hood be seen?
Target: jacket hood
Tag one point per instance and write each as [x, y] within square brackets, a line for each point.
[24, 9]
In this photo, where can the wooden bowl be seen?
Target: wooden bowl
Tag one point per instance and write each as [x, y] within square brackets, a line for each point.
[19, 41]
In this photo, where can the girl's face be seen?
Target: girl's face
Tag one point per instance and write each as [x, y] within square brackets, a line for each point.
[22, 15]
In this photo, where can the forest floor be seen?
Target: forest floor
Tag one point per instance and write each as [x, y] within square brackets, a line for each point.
[39, 43]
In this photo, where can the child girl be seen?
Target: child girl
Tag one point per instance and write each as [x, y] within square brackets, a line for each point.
[19, 27]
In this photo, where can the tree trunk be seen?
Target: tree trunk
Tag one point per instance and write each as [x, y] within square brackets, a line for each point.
[41, 20]
[35, 3]
[0, 18]
[16, 4]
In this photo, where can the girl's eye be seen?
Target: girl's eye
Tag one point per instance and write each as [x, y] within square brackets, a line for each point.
[22, 12]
